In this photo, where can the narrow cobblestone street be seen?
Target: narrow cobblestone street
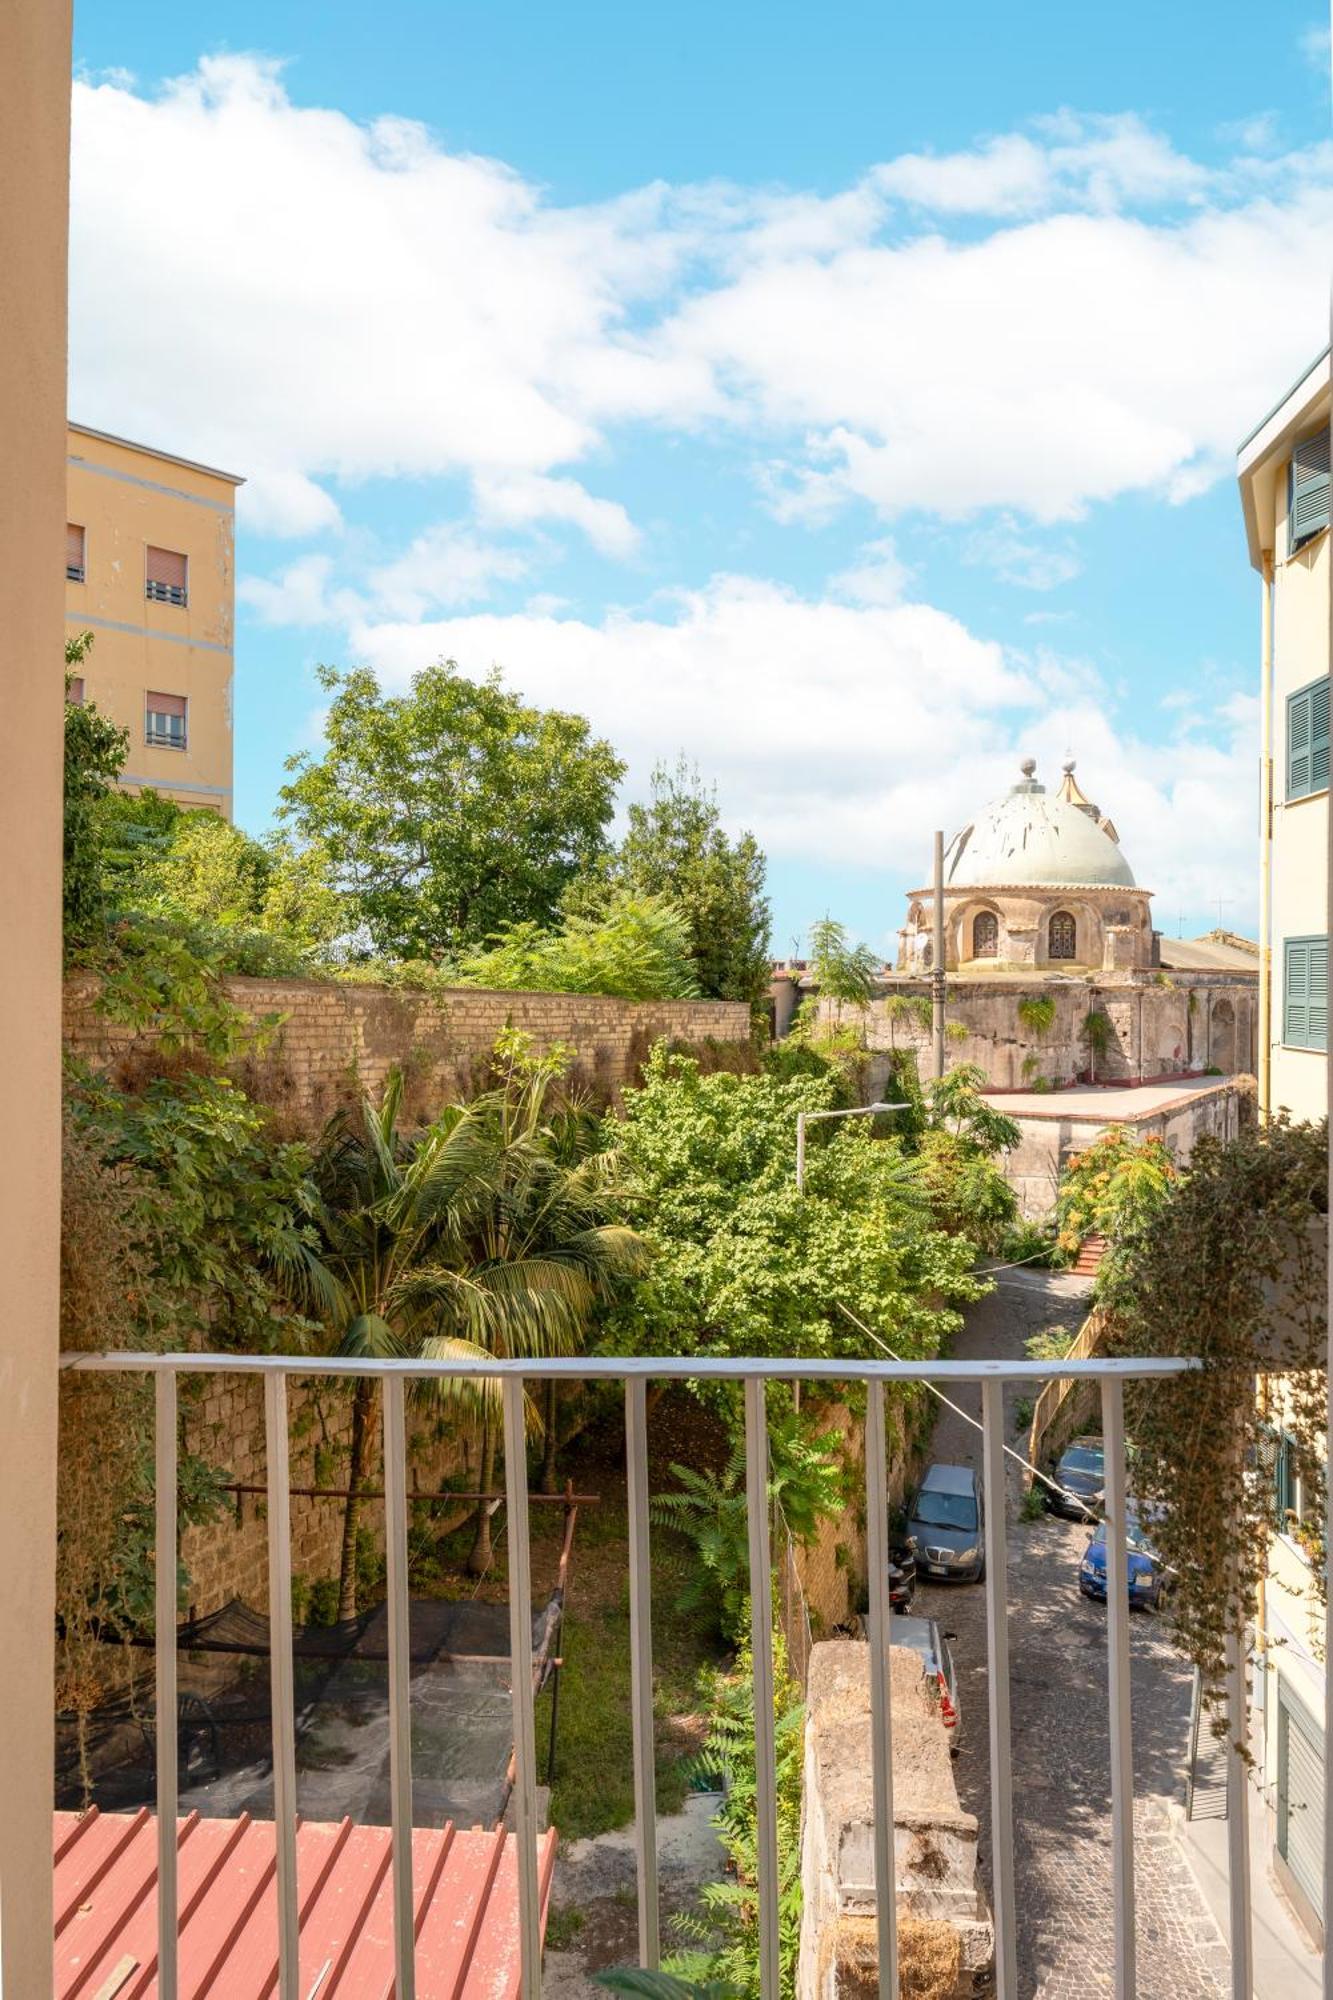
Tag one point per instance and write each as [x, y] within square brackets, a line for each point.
[1061, 1749]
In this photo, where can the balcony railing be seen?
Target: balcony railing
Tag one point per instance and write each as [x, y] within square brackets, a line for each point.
[753, 1375]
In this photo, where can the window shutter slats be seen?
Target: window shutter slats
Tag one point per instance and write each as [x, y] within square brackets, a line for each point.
[74, 546]
[1319, 736]
[1309, 488]
[166, 704]
[1305, 993]
[165, 573]
[1317, 991]
[1298, 745]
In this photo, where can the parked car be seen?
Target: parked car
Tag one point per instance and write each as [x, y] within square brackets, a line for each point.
[924, 1636]
[1080, 1475]
[945, 1523]
[1148, 1579]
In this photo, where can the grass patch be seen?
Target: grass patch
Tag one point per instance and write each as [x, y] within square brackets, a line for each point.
[563, 1926]
[594, 1773]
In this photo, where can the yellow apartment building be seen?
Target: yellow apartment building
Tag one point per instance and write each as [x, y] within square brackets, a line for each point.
[150, 572]
[1284, 487]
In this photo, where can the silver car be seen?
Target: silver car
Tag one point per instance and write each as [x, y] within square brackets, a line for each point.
[946, 1523]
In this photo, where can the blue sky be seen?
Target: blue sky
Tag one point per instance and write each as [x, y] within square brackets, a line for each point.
[843, 397]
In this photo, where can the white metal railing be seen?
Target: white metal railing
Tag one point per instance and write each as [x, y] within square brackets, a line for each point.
[635, 1375]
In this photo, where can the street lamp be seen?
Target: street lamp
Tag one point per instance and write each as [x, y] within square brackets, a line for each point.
[855, 1111]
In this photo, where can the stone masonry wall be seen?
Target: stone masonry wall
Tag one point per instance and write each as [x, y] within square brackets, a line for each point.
[228, 1557]
[333, 1039]
[1189, 1022]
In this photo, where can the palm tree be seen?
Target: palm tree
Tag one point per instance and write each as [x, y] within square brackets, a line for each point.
[477, 1238]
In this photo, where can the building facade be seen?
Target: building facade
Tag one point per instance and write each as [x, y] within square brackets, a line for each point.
[1284, 486]
[1284, 490]
[150, 573]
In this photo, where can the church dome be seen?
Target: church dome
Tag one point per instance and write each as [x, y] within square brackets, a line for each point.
[1035, 838]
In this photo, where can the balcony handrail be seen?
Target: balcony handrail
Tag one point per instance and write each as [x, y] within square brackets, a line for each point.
[618, 1368]
[755, 1372]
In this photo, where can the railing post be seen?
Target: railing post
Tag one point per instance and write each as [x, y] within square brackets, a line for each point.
[520, 1659]
[1238, 1822]
[997, 1681]
[641, 1670]
[400, 1690]
[277, 1495]
[165, 1559]
[1117, 1663]
[761, 1640]
[881, 1689]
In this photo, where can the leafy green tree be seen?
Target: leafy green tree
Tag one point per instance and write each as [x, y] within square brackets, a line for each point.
[844, 973]
[958, 1106]
[744, 1264]
[484, 1236]
[451, 811]
[638, 948]
[95, 753]
[676, 848]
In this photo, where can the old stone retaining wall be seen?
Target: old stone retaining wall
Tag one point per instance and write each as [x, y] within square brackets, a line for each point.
[228, 1557]
[334, 1039]
[1191, 1021]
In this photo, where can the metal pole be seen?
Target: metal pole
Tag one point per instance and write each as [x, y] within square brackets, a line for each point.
[800, 1152]
[1117, 1662]
[937, 978]
[165, 1559]
[400, 1693]
[997, 1684]
[283, 1693]
[520, 1656]
[881, 1692]
[1327, 1911]
[641, 1672]
[1238, 1824]
[761, 1640]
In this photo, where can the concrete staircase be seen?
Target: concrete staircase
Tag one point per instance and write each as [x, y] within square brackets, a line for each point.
[1089, 1261]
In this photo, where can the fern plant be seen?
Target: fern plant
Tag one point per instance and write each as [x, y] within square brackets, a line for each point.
[805, 1482]
[722, 1939]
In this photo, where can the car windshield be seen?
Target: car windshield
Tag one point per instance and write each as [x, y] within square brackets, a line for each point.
[1082, 1460]
[1136, 1535]
[945, 1510]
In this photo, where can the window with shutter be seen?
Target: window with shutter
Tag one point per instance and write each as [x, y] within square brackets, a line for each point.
[165, 721]
[1305, 993]
[74, 690]
[166, 576]
[1307, 489]
[1307, 739]
[75, 553]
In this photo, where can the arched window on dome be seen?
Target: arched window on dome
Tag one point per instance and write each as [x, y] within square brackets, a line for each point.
[985, 934]
[1062, 937]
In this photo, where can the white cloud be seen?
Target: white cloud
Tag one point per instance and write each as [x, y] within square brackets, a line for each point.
[517, 499]
[315, 302]
[1019, 559]
[446, 565]
[878, 576]
[844, 734]
[299, 595]
[1314, 45]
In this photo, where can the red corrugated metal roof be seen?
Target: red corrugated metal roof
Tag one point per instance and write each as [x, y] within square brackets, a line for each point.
[106, 1909]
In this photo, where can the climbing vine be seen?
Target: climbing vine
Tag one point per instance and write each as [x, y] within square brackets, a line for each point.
[1230, 1269]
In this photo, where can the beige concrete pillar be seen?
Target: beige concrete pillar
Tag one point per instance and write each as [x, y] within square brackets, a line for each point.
[34, 230]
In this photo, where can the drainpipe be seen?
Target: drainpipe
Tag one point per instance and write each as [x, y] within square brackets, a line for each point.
[1266, 846]
[938, 984]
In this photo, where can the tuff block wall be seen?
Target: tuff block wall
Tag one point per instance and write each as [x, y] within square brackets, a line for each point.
[332, 1039]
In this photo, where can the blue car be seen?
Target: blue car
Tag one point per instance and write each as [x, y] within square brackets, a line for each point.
[1147, 1574]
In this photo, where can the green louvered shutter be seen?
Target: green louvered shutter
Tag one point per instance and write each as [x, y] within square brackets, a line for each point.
[1295, 992]
[1298, 744]
[1317, 1016]
[1319, 735]
[1309, 488]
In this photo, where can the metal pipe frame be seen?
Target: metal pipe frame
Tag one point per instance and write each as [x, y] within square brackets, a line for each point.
[641, 1672]
[881, 1692]
[635, 1373]
[1117, 1673]
[400, 1694]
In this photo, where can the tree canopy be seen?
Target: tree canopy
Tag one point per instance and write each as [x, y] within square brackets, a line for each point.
[451, 811]
[676, 847]
[743, 1263]
[638, 948]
